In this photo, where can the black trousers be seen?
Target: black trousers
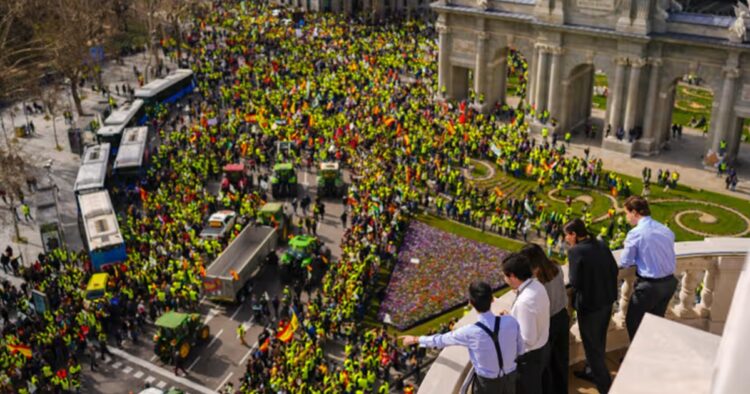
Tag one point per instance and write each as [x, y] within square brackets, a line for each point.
[650, 296]
[593, 327]
[530, 366]
[502, 385]
[555, 375]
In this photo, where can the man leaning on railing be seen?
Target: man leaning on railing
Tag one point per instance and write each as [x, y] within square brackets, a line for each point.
[650, 247]
[493, 343]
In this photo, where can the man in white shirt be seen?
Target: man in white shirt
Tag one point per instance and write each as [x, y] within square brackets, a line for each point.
[531, 309]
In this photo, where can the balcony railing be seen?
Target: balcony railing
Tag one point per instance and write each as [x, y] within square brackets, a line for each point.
[707, 272]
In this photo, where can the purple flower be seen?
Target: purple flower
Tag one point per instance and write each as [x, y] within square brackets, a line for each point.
[447, 265]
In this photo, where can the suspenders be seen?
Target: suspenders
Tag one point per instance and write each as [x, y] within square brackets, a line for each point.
[493, 335]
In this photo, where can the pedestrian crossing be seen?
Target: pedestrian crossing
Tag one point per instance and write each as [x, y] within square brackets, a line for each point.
[137, 373]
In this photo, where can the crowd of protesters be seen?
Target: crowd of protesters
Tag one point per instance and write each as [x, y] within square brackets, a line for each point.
[338, 90]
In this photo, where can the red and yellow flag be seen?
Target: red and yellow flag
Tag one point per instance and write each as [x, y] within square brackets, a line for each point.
[23, 349]
[287, 333]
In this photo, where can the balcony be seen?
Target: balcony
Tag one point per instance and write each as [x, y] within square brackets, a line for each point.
[678, 349]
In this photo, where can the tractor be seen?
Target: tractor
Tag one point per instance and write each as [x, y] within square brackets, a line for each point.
[330, 180]
[283, 181]
[181, 331]
[304, 259]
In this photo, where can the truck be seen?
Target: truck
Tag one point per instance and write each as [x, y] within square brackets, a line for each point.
[48, 217]
[227, 277]
[330, 180]
[272, 214]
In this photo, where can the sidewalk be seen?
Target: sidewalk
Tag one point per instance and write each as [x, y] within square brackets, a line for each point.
[40, 150]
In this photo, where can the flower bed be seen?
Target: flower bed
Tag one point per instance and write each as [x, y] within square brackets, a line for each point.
[440, 281]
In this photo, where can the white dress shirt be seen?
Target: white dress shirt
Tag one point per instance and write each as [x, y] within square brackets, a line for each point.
[481, 348]
[531, 309]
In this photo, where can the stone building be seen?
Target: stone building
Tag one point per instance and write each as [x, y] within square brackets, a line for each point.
[645, 47]
[375, 8]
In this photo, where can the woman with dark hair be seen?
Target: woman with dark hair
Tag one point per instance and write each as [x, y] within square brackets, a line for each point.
[593, 276]
[555, 375]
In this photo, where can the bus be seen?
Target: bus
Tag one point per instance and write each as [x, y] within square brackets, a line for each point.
[103, 239]
[127, 115]
[93, 171]
[132, 157]
[168, 89]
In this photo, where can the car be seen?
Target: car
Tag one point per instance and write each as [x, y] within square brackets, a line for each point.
[219, 224]
[178, 330]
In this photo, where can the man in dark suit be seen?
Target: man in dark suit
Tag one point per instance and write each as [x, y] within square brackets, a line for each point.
[593, 276]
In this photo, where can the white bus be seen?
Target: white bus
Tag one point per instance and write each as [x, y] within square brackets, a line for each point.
[168, 89]
[102, 233]
[93, 171]
[132, 156]
[127, 115]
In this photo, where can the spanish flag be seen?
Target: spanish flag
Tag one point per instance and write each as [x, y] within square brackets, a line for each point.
[234, 274]
[23, 349]
[264, 346]
[287, 333]
[498, 192]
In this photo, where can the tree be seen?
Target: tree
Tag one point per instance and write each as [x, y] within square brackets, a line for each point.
[70, 28]
[20, 55]
[12, 179]
[51, 99]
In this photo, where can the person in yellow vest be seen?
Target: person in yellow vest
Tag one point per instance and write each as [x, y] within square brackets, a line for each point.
[241, 330]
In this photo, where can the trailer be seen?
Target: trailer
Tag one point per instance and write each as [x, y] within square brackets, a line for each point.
[227, 277]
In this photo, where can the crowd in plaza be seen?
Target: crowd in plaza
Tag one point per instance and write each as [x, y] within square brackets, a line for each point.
[339, 90]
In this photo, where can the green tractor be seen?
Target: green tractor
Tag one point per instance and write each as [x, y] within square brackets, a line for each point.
[330, 180]
[305, 258]
[178, 330]
[283, 181]
[272, 214]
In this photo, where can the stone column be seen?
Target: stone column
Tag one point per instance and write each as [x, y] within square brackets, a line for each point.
[443, 58]
[649, 126]
[541, 81]
[480, 68]
[631, 109]
[531, 75]
[554, 99]
[617, 91]
[726, 107]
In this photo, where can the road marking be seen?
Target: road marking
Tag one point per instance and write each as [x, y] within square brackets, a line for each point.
[107, 359]
[150, 379]
[152, 358]
[161, 384]
[304, 178]
[223, 382]
[215, 338]
[194, 362]
[138, 374]
[189, 384]
[127, 370]
[211, 314]
[116, 365]
[236, 312]
[252, 349]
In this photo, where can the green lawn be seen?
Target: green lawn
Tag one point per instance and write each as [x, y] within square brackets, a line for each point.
[478, 170]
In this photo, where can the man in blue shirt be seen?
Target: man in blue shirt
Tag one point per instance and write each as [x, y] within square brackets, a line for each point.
[493, 343]
[649, 246]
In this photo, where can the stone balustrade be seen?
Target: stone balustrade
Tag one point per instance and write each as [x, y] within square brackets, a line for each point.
[707, 271]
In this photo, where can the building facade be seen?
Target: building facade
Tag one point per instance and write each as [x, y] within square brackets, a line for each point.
[645, 47]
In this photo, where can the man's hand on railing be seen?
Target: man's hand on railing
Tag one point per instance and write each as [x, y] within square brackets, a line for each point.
[409, 340]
